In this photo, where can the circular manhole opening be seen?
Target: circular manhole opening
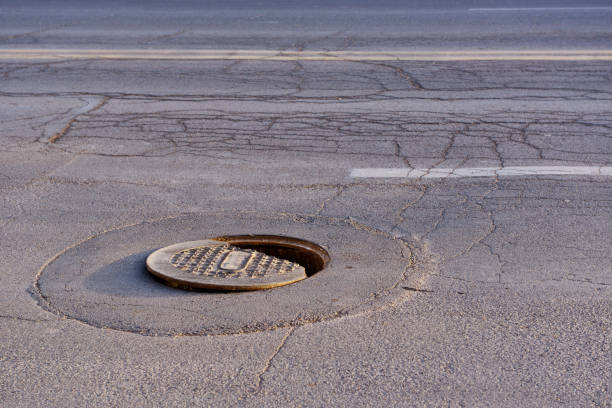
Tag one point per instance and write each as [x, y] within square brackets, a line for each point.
[237, 262]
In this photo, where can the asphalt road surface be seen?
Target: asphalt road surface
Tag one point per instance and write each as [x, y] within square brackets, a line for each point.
[455, 161]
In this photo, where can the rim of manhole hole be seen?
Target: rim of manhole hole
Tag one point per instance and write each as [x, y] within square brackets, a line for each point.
[237, 262]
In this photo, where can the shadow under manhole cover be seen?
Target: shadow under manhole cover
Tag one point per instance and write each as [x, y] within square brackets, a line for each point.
[104, 282]
[238, 262]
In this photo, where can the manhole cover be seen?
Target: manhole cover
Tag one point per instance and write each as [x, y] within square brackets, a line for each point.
[216, 264]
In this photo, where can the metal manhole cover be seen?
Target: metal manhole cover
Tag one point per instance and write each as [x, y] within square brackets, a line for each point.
[218, 265]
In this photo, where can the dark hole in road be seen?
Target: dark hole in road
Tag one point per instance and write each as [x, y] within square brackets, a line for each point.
[309, 255]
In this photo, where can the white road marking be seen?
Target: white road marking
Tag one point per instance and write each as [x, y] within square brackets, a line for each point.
[510, 171]
[541, 9]
[380, 172]
[272, 55]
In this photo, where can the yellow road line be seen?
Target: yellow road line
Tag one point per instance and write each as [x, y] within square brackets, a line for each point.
[498, 55]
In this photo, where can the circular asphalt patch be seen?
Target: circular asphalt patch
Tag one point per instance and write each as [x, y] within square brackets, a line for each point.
[104, 282]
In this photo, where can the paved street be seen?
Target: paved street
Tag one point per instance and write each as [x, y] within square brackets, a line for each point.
[455, 161]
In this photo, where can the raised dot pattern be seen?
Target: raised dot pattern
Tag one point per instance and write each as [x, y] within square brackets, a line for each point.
[207, 260]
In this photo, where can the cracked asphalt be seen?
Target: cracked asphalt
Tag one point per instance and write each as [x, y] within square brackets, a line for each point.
[451, 291]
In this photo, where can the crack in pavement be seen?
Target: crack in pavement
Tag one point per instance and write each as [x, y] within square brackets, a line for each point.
[407, 135]
[69, 124]
[253, 391]
[401, 72]
[340, 189]
[24, 319]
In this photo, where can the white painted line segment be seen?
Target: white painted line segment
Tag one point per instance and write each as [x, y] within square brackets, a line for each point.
[272, 55]
[541, 9]
[510, 171]
[383, 173]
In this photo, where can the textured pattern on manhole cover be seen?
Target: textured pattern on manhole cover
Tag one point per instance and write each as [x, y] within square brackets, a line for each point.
[230, 261]
[218, 265]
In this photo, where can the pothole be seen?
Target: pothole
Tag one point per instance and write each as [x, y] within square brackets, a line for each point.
[103, 281]
[237, 262]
